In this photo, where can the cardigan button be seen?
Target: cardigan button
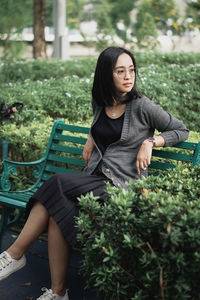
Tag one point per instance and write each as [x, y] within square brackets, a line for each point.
[107, 170]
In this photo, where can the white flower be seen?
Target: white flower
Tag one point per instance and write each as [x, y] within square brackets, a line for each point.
[68, 95]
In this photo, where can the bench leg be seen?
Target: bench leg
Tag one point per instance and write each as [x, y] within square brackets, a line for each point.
[3, 223]
[7, 222]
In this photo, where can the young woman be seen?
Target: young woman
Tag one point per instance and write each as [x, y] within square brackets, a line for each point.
[118, 149]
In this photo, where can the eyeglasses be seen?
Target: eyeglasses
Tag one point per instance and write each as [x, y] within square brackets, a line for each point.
[121, 73]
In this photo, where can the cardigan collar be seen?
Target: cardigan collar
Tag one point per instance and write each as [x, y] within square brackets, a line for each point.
[125, 127]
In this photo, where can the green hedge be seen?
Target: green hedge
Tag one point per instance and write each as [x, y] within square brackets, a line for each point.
[67, 97]
[20, 70]
[143, 243]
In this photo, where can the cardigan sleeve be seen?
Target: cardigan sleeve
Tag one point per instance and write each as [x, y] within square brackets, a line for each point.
[172, 130]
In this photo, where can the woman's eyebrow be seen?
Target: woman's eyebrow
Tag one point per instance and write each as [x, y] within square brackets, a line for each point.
[124, 66]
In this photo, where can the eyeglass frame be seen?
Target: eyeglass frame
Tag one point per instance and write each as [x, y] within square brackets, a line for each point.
[125, 70]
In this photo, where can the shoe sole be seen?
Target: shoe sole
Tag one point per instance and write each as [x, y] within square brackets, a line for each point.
[20, 267]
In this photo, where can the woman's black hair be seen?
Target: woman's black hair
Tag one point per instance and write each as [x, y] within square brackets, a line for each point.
[103, 90]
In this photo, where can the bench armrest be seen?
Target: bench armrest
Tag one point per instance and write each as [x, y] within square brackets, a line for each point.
[10, 167]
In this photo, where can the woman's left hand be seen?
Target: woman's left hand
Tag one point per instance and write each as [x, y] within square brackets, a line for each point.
[88, 149]
[144, 156]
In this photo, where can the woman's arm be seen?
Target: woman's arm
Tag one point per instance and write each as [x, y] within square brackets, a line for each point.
[88, 149]
[172, 131]
[145, 152]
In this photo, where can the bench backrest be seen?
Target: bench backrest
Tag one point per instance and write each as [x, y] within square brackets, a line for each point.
[66, 143]
[64, 149]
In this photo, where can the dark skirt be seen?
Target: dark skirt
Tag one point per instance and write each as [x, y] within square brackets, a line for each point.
[59, 196]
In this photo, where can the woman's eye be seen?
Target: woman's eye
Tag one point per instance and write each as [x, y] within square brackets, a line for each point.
[132, 70]
[120, 72]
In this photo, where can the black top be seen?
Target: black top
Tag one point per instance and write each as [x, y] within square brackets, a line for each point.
[107, 131]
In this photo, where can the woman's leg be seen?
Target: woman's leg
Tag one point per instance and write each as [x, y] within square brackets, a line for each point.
[59, 252]
[34, 226]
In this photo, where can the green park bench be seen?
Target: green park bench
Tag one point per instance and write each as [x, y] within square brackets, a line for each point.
[64, 154]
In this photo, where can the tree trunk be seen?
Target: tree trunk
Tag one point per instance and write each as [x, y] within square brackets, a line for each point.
[39, 44]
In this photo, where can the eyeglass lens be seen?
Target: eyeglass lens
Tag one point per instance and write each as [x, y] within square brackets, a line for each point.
[122, 72]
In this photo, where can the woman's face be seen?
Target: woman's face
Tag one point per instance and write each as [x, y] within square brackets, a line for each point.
[124, 74]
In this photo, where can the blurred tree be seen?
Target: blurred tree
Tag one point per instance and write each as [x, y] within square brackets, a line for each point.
[39, 43]
[12, 22]
[193, 14]
[147, 33]
[105, 30]
[120, 16]
[164, 12]
[99, 11]
[74, 13]
[112, 17]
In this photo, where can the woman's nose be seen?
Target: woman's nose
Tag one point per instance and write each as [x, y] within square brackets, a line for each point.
[127, 74]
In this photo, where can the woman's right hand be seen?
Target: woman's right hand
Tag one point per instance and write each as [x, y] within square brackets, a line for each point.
[88, 149]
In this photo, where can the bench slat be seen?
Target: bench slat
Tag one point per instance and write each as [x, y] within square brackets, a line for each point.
[161, 165]
[68, 138]
[54, 169]
[14, 202]
[186, 145]
[73, 128]
[67, 149]
[17, 196]
[67, 160]
[172, 155]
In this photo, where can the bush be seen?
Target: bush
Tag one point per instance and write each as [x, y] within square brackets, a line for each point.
[143, 243]
[68, 97]
[20, 70]
[145, 59]
[30, 142]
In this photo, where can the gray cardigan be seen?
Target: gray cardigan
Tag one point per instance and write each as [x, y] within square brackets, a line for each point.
[142, 117]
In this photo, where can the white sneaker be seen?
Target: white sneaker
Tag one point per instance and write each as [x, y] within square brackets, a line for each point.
[48, 295]
[8, 265]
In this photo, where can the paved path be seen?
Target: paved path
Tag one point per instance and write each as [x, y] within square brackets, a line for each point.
[26, 283]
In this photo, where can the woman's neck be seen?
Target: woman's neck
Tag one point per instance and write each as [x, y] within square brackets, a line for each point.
[116, 110]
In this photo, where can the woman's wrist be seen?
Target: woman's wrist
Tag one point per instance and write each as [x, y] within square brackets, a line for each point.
[157, 141]
[149, 142]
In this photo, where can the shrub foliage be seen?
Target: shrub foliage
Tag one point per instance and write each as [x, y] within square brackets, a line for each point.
[143, 242]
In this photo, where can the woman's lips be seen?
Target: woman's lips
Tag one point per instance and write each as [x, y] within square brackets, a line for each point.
[128, 84]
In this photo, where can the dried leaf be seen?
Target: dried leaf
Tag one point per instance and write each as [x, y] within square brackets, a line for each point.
[169, 228]
[105, 249]
[144, 192]
[26, 284]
